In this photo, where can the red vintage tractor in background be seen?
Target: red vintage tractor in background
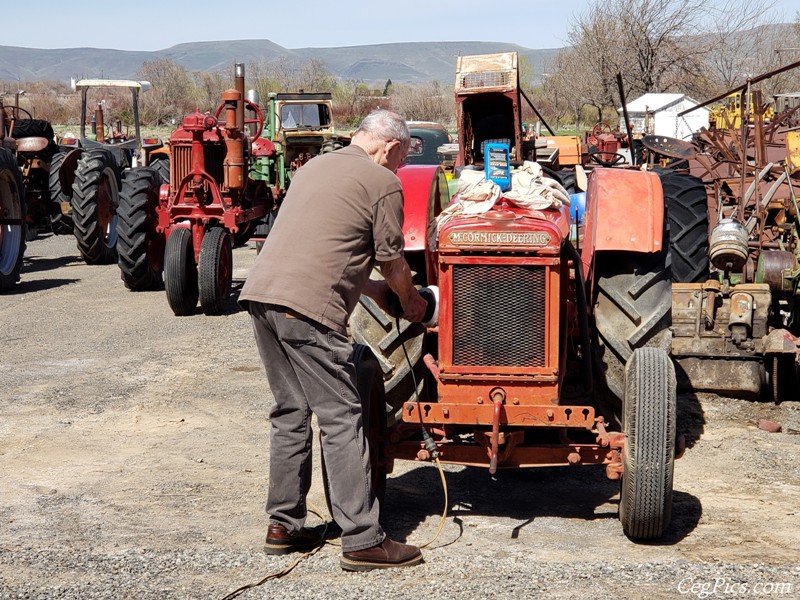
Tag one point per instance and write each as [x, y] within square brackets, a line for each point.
[187, 228]
[223, 183]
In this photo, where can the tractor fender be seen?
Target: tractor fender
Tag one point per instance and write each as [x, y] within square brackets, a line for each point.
[624, 211]
[426, 193]
[160, 151]
[66, 173]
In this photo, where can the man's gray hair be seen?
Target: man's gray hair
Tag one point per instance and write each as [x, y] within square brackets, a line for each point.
[385, 125]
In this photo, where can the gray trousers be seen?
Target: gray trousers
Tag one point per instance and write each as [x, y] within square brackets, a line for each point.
[309, 370]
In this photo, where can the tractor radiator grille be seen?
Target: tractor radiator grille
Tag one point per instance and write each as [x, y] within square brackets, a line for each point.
[182, 163]
[498, 316]
[486, 79]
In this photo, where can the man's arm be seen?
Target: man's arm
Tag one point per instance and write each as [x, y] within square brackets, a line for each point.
[398, 277]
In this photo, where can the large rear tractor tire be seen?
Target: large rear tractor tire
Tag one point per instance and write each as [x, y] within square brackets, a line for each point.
[13, 210]
[369, 380]
[645, 505]
[140, 248]
[632, 309]
[687, 214]
[95, 198]
[215, 270]
[263, 227]
[62, 220]
[394, 348]
[161, 166]
[180, 273]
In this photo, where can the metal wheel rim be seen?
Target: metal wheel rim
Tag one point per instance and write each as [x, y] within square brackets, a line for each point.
[106, 212]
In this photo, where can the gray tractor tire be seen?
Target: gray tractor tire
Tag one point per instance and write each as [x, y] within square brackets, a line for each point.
[161, 166]
[12, 207]
[95, 198]
[645, 505]
[180, 273]
[399, 351]
[215, 270]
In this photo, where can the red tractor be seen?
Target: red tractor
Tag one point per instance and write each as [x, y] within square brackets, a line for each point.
[550, 349]
[553, 333]
[187, 228]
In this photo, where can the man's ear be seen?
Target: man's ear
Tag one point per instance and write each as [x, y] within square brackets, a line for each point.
[391, 145]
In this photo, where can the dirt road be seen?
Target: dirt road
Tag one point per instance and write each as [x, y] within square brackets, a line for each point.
[133, 456]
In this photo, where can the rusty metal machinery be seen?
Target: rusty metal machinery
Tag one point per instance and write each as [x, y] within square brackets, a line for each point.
[739, 332]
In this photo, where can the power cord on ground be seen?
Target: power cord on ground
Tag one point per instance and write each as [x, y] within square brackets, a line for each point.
[288, 569]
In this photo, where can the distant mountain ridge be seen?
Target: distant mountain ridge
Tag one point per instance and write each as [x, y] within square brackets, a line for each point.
[408, 62]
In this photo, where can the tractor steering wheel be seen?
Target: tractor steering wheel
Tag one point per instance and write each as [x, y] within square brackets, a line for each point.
[259, 116]
[601, 127]
[19, 109]
[606, 159]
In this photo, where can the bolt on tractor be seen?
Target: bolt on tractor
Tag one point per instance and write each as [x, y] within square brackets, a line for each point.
[88, 171]
[186, 229]
[550, 340]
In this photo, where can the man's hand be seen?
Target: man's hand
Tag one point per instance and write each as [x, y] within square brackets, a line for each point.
[414, 307]
[379, 291]
[398, 277]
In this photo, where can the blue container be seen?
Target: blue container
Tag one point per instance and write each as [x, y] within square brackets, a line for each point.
[577, 206]
[498, 164]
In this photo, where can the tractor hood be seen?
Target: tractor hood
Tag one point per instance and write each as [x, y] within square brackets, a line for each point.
[505, 229]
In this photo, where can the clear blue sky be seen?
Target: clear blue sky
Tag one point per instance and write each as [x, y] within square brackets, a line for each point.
[155, 25]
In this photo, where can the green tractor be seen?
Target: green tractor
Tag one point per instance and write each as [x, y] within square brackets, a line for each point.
[297, 128]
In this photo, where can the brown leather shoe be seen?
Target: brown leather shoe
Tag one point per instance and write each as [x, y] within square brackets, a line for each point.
[383, 556]
[281, 541]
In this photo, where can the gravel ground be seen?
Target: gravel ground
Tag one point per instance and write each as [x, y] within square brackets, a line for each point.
[133, 456]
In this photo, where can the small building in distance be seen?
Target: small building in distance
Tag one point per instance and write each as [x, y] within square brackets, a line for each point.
[657, 114]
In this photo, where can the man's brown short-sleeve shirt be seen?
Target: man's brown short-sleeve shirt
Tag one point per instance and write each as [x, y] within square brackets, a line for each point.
[342, 212]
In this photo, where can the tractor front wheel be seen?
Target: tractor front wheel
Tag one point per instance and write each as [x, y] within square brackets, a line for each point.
[399, 346]
[216, 270]
[95, 198]
[180, 273]
[12, 220]
[140, 248]
[649, 425]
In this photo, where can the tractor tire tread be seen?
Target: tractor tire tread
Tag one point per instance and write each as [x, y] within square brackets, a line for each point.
[93, 166]
[137, 201]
